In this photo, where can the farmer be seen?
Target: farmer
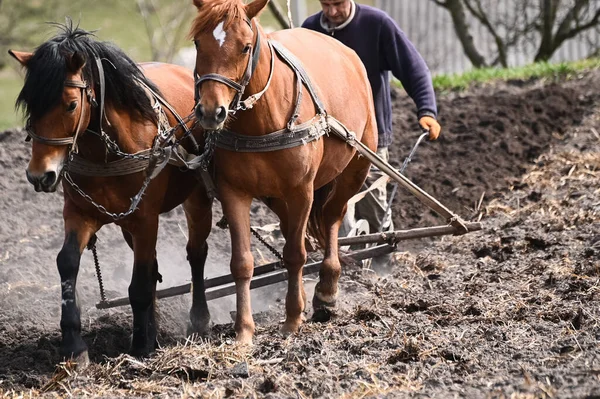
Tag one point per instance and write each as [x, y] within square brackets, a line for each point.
[382, 47]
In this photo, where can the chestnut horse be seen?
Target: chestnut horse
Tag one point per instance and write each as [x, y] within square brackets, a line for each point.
[308, 185]
[64, 101]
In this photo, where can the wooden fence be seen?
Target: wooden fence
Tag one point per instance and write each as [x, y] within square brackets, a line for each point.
[430, 28]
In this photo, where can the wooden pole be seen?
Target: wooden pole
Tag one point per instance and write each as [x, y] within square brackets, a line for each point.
[278, 14]
[403, 235]
[271, 273]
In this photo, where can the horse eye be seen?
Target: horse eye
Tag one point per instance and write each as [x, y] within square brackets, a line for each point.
[246, 49]
[196, 44]
[72, 106]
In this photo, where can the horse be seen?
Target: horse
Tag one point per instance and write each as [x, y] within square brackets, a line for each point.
[306, 176]
[93, 115]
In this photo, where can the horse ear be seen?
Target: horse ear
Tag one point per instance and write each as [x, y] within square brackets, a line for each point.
[254, 8]
[198, 3]
[21, 56]
[75, 62]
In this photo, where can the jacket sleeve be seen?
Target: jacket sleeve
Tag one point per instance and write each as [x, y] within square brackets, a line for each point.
[400, 56]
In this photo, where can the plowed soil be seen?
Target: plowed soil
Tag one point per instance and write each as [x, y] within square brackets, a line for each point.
[511, 311]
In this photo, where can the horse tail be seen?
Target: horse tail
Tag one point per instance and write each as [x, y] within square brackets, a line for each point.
[316, 225]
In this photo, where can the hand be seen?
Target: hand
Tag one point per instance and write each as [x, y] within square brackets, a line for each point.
[431, 125]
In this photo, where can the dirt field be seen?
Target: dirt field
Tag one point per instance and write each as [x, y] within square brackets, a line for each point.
[512, 311]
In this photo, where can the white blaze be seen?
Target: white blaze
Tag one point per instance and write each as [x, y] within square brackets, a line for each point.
[220, 34]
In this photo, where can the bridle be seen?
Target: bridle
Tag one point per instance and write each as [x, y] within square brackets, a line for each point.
[237, 103]
[86, 92]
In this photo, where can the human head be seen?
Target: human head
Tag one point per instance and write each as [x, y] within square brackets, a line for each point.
[336, 11]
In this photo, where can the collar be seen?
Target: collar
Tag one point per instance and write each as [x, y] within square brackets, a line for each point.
[328, 29]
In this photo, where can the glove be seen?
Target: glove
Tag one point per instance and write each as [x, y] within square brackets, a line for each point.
[431, 125]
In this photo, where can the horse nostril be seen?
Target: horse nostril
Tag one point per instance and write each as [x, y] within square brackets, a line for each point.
[30, 178]
[220, 114]
[199, 111]
[48, 179]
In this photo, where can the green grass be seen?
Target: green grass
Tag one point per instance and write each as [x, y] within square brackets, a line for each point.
[537, 70]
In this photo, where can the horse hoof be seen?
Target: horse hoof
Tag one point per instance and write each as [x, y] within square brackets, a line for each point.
[75, 351]
[290, 328]
[323, 311]
[141, 353]
[198, 331]
[80, 361]
[243, 339]
[322, 315]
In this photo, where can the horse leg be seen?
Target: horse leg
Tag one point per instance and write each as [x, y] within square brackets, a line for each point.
[78, 231]
[347, 184]
[142, 289]
[198, 211]
[294, 257]
[236, 208]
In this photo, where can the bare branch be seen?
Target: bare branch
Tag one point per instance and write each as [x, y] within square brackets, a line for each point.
[462, 29]
[483, 18]
[564, 33]
[570, 26]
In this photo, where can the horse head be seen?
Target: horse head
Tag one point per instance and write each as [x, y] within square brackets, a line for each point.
[227, 47]
[62, 99]
[58, 100]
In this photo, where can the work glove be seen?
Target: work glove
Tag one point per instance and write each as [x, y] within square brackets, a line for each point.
[431, 125]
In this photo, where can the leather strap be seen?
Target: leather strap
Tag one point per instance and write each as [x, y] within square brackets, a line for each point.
[279, 140]
[295, 64]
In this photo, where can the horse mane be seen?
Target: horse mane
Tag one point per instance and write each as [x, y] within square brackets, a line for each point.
[47, 71]
[212, 12]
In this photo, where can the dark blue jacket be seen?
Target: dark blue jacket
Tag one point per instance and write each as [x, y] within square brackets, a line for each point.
[383, 46]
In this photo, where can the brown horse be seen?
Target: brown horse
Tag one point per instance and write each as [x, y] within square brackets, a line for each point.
[64, 100]
[234, 56]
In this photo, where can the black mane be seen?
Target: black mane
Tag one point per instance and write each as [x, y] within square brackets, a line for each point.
[47, 70]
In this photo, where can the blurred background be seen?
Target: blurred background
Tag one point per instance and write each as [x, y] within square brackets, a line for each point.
[453, 35]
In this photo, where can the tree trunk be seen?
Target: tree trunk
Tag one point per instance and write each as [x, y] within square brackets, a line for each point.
[461, 26]
[547, 47]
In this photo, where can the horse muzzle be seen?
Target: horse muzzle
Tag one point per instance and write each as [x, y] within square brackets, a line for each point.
[45, 182]
[211, 119]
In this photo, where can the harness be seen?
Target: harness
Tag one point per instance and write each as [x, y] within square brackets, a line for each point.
[166, 149]
[292, 135]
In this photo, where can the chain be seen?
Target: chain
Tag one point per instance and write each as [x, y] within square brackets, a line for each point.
[115, 216]
[166, 135]
[223, 224]
[155, 154]
[210, 143]
[92, 246]
[266, 244]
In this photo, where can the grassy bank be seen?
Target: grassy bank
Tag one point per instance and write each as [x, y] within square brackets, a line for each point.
[532, 71]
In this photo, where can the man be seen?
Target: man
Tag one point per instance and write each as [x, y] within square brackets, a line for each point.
[382, 47]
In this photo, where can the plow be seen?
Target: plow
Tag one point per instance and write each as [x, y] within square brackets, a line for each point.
[377, 244]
